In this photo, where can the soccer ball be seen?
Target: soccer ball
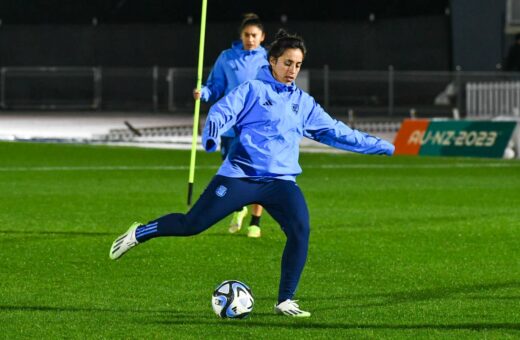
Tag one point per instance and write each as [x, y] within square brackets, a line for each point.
[232, 299]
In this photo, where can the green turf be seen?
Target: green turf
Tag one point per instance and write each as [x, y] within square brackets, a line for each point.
[400, 247]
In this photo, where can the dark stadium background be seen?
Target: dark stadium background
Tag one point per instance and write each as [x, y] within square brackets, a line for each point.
[411, 35]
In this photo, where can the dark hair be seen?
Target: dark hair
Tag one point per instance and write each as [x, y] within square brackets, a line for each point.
[250, 19]
[283, 41]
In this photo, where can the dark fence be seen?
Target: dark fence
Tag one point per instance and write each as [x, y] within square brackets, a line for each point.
[390, 93]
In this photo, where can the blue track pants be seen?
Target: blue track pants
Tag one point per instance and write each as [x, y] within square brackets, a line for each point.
[282, 199]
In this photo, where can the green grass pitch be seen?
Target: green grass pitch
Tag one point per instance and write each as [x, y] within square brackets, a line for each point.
[401, 247]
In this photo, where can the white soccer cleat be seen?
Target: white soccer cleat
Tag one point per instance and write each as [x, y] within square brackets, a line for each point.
[236, 221]
[290, 308]
[124, 243]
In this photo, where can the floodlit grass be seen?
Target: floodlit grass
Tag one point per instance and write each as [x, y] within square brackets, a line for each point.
[400, 248]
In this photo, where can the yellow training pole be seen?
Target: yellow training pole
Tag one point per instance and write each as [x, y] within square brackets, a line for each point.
[197, 102]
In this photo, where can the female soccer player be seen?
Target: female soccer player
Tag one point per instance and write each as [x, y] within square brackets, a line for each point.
[270, 116]
[234, 66]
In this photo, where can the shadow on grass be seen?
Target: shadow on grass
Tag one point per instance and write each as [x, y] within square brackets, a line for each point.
[505, 298]
[436, 219]
[58, 309]
[394, 298]
[177, 318]
[57, 232]
[436, 293]
[389, 299]
[309, 324]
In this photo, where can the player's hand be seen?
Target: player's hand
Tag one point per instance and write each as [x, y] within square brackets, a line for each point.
[196, 94]
[390, 149]
[210, 146]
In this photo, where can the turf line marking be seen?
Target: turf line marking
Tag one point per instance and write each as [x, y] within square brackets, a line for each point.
[101, 168]
[415, 166]
[322, 166]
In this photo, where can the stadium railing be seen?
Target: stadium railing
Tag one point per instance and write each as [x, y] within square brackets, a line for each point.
[49, 88]
[357, 95]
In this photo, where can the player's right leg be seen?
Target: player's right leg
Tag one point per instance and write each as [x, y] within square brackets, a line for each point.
[290, 308]
[286, 204]
[222, 196]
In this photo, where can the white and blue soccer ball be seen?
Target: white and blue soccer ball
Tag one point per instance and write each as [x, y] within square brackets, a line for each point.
[232, 299]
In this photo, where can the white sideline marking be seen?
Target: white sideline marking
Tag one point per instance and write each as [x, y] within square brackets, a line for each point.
[101, 168]
[322, 166]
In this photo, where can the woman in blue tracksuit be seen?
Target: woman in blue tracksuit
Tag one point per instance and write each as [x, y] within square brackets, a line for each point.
[269, 115]
[234, 66]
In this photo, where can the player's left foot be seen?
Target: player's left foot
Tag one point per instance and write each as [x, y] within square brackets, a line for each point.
[125, 242]
[290, 308]
[254, 231]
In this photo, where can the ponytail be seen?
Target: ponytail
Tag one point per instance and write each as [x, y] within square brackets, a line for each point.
[284, 41]
[250, 19]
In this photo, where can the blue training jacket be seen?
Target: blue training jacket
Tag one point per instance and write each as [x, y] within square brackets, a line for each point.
[270, 118]
[233, 67]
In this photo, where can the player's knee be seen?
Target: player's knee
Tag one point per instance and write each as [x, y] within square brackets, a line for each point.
[299, 230]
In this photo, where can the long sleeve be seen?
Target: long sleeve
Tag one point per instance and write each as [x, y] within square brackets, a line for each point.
[216, 84]
[224, 114]
[322, 128]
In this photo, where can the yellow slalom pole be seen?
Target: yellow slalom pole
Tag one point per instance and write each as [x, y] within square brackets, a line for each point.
[197, 102]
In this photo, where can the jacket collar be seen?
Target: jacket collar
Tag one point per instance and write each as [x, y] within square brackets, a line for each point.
[265, 74]
[238, 48]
